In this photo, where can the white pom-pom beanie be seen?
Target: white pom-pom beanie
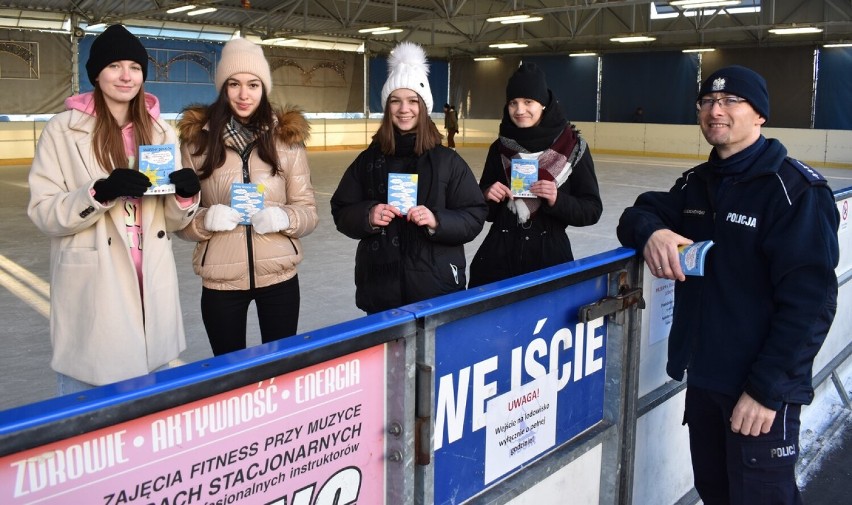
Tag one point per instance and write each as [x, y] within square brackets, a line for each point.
[243, 56]
[407, 68]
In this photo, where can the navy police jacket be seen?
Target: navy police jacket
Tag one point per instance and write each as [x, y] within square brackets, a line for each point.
[754, 322]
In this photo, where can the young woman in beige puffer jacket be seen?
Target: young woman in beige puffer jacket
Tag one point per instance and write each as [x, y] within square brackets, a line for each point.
[242, 138]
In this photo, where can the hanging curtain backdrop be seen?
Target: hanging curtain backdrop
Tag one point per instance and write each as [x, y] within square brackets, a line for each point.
[478, 88]
[317, 81]
[574, 81]
[789, 78]
[834, 89]
[663, 84]
[180, 73]
[378, 73]
[35, 77]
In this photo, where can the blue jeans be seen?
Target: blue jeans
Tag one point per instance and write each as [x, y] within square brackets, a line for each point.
[66, 385]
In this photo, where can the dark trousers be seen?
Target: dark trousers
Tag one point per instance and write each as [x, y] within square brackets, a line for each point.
[225, 312]
[734, 469]
[451, 138]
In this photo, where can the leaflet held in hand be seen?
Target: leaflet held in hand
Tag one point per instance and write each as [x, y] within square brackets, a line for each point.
[157, 162]
[692, 257]
[402, 191]
[524, 173]
[247, 199]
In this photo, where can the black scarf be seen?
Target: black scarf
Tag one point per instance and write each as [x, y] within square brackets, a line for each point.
[537, 138]
[403, 143]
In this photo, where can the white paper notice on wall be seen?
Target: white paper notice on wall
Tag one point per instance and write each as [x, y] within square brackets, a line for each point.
[660, 309]
[520, 424]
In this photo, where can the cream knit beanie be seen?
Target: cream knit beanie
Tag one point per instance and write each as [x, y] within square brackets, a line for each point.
[243, 56]
[407, 68]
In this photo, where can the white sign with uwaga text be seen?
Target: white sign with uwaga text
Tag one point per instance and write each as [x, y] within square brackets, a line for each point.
[521, 425]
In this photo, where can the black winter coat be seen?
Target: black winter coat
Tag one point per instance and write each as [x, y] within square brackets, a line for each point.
[402, 263]
[511, 248]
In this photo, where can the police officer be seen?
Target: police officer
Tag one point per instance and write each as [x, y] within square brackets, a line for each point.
[747, 331]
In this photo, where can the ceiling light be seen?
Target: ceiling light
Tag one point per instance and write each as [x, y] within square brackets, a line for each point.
[95, 27]
[700, 4]
[374, 29]
[206, 10]
[484, 58]
[387, 31]
[699, 50]
[514, 18]
[527, 19]
[508, 45]
[580, 55]
[795, 30]
[182, 8]
[633, 38]
[838, 44]
[327, 45]
[743, 10]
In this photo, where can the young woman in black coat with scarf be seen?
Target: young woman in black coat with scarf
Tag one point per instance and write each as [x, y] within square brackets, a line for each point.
[528, 233]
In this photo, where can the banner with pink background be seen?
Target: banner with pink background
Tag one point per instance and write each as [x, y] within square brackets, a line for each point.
[314, 436]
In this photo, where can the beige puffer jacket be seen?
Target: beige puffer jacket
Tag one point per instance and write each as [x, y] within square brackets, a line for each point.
[222, 258]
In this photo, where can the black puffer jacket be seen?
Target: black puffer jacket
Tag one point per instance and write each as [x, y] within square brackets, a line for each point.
[402, 263]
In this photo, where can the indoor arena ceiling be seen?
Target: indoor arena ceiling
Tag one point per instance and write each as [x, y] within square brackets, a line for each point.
[459, 28]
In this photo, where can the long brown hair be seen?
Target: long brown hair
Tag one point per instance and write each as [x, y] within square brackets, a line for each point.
[107, 138]
[211, 142]
[427, 133]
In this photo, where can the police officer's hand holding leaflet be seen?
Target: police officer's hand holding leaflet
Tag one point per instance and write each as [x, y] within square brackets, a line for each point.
[747, 331]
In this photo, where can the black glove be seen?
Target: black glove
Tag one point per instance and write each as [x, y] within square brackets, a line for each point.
[121, 182]
[186, 182]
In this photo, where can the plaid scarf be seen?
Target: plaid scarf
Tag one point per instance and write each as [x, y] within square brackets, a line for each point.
[238, 136]
[554, 164]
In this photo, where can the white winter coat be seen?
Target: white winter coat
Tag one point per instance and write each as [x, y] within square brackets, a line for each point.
[101, 329]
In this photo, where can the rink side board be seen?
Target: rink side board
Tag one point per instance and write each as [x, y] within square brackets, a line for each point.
[314, 434]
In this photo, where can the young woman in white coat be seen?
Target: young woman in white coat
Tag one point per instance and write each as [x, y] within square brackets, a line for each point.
[243, 139]
[114, 306]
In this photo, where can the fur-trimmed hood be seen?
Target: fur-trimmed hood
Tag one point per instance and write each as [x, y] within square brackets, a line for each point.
[292, 127]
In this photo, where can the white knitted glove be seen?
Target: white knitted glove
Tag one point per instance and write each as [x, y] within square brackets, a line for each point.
[270, 220]
[221, 218]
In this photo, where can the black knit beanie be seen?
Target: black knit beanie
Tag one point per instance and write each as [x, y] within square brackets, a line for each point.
[528, 82]
[115, 44]
[742, 82]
